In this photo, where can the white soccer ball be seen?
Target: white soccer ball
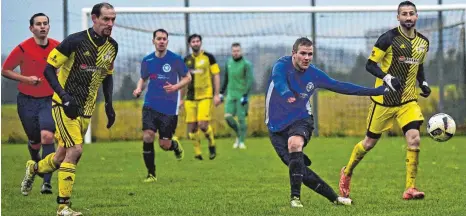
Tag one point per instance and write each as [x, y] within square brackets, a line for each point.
[441, 127]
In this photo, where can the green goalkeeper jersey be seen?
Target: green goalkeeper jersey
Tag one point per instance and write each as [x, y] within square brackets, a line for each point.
[238, 78]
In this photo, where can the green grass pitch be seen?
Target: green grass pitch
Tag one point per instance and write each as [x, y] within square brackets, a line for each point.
[244, 182]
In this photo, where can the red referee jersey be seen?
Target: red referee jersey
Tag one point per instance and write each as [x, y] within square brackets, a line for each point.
[32, 59]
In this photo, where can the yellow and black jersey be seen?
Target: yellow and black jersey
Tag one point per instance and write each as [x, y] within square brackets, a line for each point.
[399, 56]
[202, 67]
[84, 59]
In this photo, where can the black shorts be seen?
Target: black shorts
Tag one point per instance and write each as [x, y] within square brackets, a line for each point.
[35, 115]
[303, 127]
[156, 121]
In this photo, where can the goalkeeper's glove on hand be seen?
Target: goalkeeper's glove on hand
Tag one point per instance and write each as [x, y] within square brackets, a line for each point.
[70, 107]
[392, 82]
[425, 89]
[244, 100]
[110, 114]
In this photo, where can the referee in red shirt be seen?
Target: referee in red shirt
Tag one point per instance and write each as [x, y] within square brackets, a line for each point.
[34, 101]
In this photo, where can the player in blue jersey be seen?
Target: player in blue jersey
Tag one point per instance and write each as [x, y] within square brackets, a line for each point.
[289, 117]
[167, 74]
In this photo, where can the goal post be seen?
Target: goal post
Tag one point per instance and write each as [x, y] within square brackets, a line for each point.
[344, 36]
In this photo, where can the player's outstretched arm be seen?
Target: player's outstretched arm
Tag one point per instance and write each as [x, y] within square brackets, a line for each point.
[324, 81]
[279, 81]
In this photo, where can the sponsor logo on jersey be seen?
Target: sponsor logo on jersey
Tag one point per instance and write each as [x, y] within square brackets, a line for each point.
[408, 60]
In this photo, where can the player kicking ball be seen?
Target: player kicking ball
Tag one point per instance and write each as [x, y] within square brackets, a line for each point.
[290, 121]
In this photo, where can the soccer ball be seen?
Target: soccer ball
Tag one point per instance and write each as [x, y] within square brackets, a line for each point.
[441, 127]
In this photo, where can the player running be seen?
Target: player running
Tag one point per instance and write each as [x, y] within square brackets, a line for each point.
[401, 52]
[85, 60]
[167, 73]
[198, 103]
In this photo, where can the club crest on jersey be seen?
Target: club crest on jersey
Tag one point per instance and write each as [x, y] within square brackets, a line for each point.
[166, 68]
[107, 56]
[421, 48]
[309, 86]
[200, 63]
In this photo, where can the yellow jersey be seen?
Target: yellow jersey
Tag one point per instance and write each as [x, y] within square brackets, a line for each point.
[84, 59]
[399, 56]
[202, 67]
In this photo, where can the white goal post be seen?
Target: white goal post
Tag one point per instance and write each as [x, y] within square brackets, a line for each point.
[85, 20]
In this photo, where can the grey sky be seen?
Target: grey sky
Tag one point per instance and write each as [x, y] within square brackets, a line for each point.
[16, 13]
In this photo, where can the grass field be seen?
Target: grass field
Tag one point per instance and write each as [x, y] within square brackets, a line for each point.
[244, 182]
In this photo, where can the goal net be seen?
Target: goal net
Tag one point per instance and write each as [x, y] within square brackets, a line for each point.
[343, 36]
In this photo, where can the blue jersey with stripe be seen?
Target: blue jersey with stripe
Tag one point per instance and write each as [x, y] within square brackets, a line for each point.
[286, 82]
[160, 71]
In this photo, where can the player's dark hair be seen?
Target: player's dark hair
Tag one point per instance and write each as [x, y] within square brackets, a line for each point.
[31, 21]
[406, 3]
[194, 36]
[160, 30]
[98, 7]
[235, 44]
[302, 41]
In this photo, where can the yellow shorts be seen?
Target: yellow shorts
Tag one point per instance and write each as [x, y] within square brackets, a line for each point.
[198, 110]
[381, 118]
[69, 132]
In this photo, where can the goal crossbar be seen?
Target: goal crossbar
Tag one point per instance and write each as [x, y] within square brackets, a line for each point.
[296, 9]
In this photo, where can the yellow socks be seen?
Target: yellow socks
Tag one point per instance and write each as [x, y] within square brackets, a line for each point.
[66, 179]
[209, 134]
[356, 156]
[47, 165]
[412, 158]
[197, 142]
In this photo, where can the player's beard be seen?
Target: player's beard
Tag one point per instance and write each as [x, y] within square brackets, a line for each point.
[196, 48]
[408, 24]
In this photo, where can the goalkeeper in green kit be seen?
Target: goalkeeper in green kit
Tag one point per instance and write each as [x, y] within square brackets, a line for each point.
[236, 86]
